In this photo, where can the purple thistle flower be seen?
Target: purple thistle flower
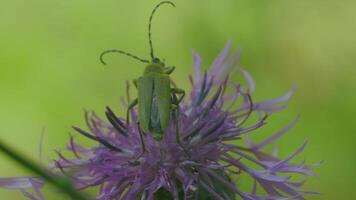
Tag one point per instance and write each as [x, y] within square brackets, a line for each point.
[128, 164]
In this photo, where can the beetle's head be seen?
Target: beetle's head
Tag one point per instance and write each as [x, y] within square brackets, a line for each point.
[155, 66]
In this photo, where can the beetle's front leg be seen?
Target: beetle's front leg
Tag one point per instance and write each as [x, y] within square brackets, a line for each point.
[178, 91]
[131, 105]
[169, 70]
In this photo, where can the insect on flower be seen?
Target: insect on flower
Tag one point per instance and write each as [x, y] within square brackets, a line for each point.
[203, 161]
[156, 98]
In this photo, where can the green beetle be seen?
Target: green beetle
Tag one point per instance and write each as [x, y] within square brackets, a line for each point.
[156, 98]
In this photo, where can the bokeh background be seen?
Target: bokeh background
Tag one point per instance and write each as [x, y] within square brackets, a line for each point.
[50, 73]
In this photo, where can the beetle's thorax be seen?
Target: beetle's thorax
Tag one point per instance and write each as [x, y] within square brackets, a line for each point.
[156, 66]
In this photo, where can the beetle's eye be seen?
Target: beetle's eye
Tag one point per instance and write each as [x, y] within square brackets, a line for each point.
[156, 60]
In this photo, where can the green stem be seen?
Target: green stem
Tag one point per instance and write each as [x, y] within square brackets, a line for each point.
[61, 183]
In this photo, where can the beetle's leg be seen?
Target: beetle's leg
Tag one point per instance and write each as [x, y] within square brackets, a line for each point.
[141, 138]
[173, 83]
[178, 91]
[169, 69]
[136, 162]
[131, 105]
[175, 109]
[176, 122]
[135, 82]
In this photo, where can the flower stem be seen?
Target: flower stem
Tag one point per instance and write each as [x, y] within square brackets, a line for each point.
[60, 182]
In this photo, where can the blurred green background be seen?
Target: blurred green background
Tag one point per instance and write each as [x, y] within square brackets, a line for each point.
[49, 69]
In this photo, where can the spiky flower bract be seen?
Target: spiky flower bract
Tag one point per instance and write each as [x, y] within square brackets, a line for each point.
[210, 149]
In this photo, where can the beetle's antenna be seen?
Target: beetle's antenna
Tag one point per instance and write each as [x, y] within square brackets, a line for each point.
[150, 24]
[120, 52]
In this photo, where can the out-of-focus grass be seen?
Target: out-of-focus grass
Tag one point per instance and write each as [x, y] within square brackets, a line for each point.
[50, 70]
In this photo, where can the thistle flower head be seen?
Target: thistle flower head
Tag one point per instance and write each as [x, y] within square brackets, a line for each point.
[204, 147]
